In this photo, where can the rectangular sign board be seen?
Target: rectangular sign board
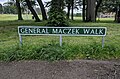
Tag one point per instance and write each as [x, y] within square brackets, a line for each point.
[65, 31]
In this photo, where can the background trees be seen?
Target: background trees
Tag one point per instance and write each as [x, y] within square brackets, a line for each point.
[90, 8]
[42, 9]
[68, 6]
[19, 10]
[9, 7]
[1, 9]
[19, 6]
[32, 11]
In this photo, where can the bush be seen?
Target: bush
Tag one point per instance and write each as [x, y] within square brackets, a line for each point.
[53, 52]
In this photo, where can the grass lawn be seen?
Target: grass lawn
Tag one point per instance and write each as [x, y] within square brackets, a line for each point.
[47, 47]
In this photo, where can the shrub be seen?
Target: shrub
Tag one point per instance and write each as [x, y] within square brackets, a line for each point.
[53, 52]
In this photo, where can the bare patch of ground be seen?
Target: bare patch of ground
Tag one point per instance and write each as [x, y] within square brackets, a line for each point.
[78, 69]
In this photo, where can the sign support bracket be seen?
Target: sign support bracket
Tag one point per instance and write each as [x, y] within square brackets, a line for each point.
[20, 39]
[60, 40]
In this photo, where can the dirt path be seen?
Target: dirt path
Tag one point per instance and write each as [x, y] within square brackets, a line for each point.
[79, 69]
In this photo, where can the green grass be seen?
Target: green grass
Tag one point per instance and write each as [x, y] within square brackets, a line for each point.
[9, 17]
[47, 47]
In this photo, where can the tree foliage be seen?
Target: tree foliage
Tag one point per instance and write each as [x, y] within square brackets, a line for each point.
[9, 7]
[56, 14]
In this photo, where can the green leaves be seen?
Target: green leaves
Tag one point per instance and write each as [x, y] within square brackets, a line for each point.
[56, 14]
[53, 52]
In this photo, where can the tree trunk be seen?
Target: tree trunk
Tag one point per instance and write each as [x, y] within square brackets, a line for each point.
[33, 11]
[97, 6]
[118, 16]
[93, 6]
[68, 8]
[42, 9]
[19, 10]
[90, 12]
[83, 13]
[72, 4]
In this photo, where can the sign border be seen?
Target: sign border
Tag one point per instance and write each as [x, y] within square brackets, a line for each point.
[61, 34]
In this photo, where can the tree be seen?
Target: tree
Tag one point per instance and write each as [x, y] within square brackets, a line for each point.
[118, 14]
[32, 11]
[68, 4]
[19, 10]
[56, 14]
[72, 5]
[90, 11]
[83, 11]
[1, 9]
[9, 7]
[42, 10]
[117, 10]
[13, 6]
[97, 6]
[110, 6]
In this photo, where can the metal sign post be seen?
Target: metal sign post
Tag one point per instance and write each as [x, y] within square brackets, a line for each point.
[20, 39]
[60, 40]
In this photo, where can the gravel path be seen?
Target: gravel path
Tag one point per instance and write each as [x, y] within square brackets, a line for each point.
[78, 69]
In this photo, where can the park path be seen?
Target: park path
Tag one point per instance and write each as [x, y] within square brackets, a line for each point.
[77, 69]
